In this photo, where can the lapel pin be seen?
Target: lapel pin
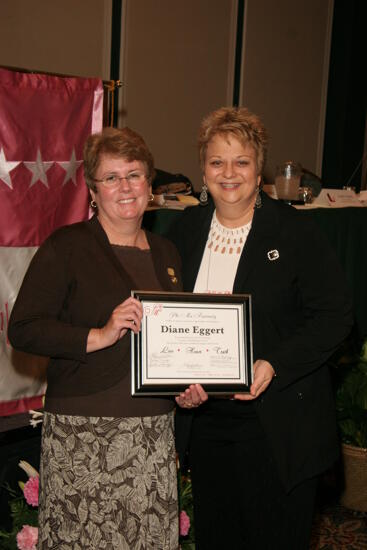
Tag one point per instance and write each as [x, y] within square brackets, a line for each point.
[171, 273]
[273, 255]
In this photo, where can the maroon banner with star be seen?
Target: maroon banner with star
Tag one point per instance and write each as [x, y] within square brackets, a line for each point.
[44, 122]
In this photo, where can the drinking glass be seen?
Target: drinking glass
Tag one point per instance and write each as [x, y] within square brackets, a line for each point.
[287, 180]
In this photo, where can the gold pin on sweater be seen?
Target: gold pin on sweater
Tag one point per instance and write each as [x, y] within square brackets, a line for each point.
[172, 274]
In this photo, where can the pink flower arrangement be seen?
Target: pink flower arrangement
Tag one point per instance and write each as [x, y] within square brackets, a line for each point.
[184, 523]
[27, 516]
[27, 538]
[30, 491]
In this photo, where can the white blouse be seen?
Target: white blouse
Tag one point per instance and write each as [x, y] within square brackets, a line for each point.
[220, 259]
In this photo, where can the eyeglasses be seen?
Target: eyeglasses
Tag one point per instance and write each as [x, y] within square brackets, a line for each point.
[134, 179]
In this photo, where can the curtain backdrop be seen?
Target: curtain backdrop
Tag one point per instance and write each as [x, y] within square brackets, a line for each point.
[44, 122]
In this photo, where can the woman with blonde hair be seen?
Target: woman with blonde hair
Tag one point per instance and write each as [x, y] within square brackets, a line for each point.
[255, 457]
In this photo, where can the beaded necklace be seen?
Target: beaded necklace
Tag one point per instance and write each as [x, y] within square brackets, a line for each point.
[226, 240]
[221, 256]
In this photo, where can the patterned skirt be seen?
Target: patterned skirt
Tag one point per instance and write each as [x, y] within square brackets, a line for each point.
[108, 483]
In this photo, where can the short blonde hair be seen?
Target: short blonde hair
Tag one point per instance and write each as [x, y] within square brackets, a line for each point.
[115, 142]
[238, 122]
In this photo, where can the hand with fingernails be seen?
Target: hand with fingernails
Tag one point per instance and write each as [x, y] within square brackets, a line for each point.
[125, 316]
[192, 397]
[195, 395]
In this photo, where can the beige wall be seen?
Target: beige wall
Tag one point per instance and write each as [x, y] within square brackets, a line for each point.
[285, 72]
[62, 36]
[177, 64]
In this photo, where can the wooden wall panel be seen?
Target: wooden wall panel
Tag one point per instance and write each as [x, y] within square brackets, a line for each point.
[176, 67]
[62, 36]
[285, 72]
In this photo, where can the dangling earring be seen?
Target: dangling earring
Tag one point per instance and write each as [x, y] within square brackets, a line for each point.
[258, 201]
[204, 195]
[93, 203]
[151, 197]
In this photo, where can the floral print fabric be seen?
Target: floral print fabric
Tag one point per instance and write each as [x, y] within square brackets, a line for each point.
[108, 483]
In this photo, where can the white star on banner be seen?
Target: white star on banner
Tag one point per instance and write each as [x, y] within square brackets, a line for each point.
[6, 166]
[39, 169]
[70, 168]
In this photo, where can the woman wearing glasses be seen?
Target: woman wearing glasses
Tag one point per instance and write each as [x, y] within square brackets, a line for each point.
[108, 472]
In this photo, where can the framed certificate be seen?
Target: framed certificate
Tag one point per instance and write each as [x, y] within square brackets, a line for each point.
[190, 338]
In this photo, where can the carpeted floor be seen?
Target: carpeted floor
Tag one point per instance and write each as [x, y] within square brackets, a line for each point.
[338, 528]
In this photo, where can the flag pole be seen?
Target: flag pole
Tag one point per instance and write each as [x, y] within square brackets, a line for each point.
[109, 85]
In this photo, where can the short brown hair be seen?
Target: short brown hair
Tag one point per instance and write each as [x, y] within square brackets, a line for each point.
[238, 122]
[115, 142]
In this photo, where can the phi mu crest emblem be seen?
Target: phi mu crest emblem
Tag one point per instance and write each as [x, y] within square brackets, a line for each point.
[273, 255]
[172, 274]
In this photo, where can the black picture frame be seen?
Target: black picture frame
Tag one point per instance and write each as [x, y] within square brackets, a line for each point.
[227, 318]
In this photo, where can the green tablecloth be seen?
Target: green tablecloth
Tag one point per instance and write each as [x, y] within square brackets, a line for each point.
[346, 229]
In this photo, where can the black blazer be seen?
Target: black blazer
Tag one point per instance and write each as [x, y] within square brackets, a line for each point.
[301, 313]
